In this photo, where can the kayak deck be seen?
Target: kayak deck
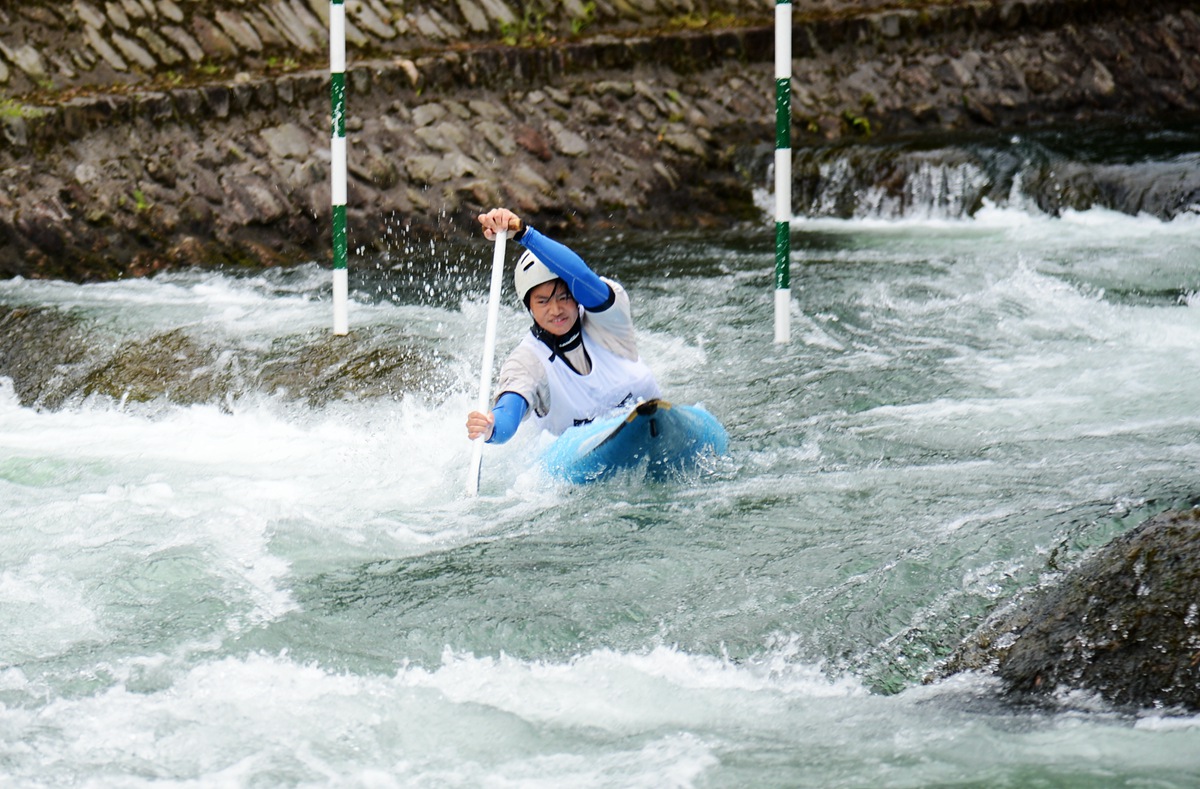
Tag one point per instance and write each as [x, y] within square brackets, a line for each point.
[664, 438]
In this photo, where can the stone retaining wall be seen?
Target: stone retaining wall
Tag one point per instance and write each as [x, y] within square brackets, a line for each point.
[64, 45]
[576, 125]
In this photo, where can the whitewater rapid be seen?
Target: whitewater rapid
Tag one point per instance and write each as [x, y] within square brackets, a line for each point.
[265, 589]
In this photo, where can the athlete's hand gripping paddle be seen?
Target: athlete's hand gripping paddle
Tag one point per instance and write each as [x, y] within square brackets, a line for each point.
[489, 356]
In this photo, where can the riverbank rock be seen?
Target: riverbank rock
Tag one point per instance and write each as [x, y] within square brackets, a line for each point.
[1125, 624]
[146, 134]
[58, 359]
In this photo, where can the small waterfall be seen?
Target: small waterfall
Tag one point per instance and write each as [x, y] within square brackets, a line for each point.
[883, 182]
[1131, 170]
[931, 190]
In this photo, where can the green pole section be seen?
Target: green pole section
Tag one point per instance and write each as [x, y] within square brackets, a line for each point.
[783, 144]
[783, 169]
[339, 237]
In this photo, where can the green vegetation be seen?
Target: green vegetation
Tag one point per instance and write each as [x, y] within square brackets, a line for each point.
[10, 108]
[699, 21]
[529, 30]
[589, 15]
[858, 123]
[282, 64]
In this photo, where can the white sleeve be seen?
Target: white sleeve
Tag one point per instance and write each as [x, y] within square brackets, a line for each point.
[613, 328]
[522, 373]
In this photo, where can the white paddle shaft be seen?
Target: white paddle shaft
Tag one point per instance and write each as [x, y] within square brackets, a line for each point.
[489, 357]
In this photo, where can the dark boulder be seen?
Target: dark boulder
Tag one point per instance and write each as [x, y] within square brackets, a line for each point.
[1125, 624]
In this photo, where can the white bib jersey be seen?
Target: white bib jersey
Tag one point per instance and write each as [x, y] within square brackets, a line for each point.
[558, 396]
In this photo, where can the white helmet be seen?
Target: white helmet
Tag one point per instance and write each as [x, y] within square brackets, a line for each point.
[529, 273]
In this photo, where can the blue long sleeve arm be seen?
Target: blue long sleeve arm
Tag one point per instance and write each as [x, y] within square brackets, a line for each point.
[510, 408]
[585, 285]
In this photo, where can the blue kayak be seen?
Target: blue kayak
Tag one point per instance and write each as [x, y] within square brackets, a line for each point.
[664, 439]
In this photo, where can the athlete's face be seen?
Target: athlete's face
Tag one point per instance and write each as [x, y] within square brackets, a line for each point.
[553, 307]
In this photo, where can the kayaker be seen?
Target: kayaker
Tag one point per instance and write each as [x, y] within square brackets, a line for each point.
[579, 360]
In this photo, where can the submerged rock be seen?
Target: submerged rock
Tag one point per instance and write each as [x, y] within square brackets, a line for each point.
[56, 359]
[1125, 624]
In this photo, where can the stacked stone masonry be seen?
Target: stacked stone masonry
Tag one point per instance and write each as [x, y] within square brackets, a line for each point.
[101, 42]
[141, 134]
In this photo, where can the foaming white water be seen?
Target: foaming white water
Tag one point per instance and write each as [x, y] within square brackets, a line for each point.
[1058, 345]
[267, 719]
[666, 687]
[258, 457]
[266, 591]
[108, 509]
[247, 305]
[1048, 329]
[605, 719]
[1091, 225]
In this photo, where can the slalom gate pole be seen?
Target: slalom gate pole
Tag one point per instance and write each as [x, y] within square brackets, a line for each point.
[783, 169]
[489, 357]
[337, 150]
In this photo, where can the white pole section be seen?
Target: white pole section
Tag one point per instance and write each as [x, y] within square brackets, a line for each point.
[783, 169]
[337, 150]
[489, 357]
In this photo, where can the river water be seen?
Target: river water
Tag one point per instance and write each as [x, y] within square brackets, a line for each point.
[262, 584]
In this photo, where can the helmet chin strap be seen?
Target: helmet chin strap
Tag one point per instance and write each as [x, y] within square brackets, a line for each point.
[557, 344]
[560, 345]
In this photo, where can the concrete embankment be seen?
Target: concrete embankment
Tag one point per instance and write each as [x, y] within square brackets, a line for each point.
[144, 134]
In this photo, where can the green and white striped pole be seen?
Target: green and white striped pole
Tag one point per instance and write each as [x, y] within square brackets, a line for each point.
[337, 150]
[783, 169]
